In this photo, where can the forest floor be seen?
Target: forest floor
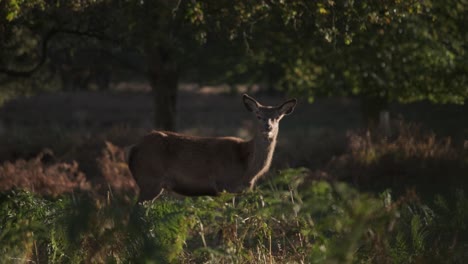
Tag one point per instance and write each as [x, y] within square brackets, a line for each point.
[335, 192]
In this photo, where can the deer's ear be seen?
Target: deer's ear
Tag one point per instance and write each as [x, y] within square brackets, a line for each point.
[287, 107]
[250, 103]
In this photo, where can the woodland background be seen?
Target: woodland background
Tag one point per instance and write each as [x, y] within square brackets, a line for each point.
[372, 167]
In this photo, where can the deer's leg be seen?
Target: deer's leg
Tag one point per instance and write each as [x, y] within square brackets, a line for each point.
[150, 191]
[149, 196]
[159, 194]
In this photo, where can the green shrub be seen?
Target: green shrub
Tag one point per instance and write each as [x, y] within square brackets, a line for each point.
[288, 219]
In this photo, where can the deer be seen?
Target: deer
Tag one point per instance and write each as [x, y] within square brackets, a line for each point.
[207, 166]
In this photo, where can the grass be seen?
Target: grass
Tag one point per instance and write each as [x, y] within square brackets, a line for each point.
[286, 220]
[395, 200]
[335, 194]
[411, 159]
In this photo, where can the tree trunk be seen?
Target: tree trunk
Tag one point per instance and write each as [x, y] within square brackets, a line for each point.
[384, 123]
[164, 76]
[375, 115]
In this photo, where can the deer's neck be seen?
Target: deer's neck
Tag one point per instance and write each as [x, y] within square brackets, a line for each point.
[261, 154]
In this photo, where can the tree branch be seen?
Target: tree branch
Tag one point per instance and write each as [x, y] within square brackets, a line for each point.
[44, 50]
[23, 74]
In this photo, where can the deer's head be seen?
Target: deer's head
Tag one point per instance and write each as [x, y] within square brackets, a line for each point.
[268, 117]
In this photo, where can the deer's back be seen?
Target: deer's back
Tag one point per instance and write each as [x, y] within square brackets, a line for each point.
[186, 161]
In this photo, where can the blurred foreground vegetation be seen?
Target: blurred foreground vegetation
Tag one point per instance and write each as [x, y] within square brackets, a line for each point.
[398, 200]
[66, 195]
[285, 220]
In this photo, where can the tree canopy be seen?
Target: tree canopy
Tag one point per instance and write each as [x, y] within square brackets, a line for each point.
[392, 50]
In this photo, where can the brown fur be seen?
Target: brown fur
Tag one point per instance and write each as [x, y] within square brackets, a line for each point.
[195, 166]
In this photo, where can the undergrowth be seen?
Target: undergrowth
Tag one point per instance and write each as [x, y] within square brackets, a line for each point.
[286, 220]
[391, 200]
[411, 159]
